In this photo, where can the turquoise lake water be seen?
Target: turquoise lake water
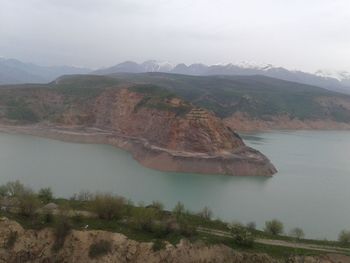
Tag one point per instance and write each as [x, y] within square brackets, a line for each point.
[311, 189]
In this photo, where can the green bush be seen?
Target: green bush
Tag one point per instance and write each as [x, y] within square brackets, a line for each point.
[179, 209]
[158, 245]
[45, 195]
[187, 229]
[144, 218]
[78, 218]
[297, 233]
[48, 218]
[160, 229]
[108, 206]
[344, 237]
[157, 205]
[274, 227]
[251, 226]
[100, 248]
[28, 203]
[13, 189]
[206, 213]
[241, 235]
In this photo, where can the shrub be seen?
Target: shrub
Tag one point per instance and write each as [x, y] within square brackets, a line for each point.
[158, 245]
[108, 206]
[187, 229]
[344, 237]
[28, 203]
[297, 233]
[157, 205]
[45, 195]
[241, 235]
[274, 227]
[78, 218]
[160, 229]
[206, 213]
[14, 188]
[48, 218]
[179, 209]
[144, 218]
[11, 240]
[85, 196]
[251, 226]
[100, 248]
[3, 191]
[61, 231]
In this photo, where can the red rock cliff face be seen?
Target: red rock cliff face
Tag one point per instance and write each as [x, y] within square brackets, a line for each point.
[197, 131]
[161, 132]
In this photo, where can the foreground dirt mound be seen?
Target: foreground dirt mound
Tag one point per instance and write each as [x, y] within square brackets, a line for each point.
[319, 259]
[36, 246]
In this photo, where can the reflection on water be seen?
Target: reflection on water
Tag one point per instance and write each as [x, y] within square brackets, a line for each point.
[309, 191]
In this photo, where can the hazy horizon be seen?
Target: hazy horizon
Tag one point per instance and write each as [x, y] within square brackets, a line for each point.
[296, 34]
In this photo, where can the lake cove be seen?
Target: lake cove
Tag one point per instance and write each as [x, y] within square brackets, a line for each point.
[309, 191]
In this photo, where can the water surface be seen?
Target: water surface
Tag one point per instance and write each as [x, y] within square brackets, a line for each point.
[311, 189]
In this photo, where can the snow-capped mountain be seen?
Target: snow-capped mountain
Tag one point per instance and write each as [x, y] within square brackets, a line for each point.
[339, 75]
[13, 71]
[339, 81]
[252, 65]
[157, 66]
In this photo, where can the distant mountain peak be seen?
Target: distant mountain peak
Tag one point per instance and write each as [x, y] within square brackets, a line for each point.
[340, 75]
[254, 65]
[14, 71]
[156, 66]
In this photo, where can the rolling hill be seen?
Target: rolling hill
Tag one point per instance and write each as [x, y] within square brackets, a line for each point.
[244, 102]
[255, 98]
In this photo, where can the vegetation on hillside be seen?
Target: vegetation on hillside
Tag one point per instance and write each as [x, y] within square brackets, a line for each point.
[258, 96]
[142, 223]
[159, 98]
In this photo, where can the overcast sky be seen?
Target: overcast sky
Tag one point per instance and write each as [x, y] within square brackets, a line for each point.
[302, 34]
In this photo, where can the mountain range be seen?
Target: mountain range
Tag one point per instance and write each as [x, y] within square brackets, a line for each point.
[13, 71]
[333, 80]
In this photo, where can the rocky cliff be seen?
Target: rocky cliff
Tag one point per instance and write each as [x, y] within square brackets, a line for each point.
[159, 129]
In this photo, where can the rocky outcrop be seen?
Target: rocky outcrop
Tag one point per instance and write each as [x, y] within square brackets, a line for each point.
[163, 133]
[36, 246]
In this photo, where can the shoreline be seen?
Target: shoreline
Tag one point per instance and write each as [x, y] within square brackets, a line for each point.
[242, 123]
[245, 161]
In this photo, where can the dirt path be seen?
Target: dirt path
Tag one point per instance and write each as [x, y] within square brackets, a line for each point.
[282, 243]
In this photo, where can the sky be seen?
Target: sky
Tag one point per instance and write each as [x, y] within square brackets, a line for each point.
[296, 34]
